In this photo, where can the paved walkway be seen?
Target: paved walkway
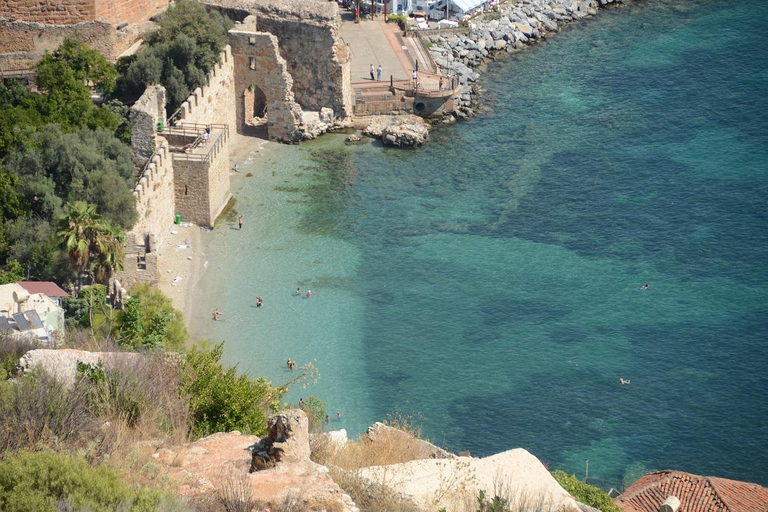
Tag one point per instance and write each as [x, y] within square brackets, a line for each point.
[375, 42]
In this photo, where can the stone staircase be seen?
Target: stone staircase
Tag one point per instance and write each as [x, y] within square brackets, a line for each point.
[379, 99]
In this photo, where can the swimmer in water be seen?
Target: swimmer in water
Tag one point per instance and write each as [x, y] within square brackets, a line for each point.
[309, 294]
[259, 301]
[298, 291]
[216, 314]
[645, 287]
[623, 381]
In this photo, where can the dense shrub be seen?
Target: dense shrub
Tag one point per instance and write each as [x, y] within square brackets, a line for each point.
[11, 350]
[585, 493]
[47, 481]
[401, 20]
[149, 321]
[221, 400]
[179, 54]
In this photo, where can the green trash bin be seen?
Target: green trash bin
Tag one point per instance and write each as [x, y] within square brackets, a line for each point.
[160, 126]
[178, 219]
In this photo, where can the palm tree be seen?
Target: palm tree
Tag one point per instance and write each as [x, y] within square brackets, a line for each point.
[108, 252]
[93, 243]
[78, 233]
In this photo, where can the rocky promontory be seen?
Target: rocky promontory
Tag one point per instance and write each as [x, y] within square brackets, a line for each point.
[399, 131]
[510, 29]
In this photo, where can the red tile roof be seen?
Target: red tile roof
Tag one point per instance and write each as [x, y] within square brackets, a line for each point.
[696, 494]
[49, 288]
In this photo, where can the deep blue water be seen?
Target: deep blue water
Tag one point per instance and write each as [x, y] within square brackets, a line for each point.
[490, 282]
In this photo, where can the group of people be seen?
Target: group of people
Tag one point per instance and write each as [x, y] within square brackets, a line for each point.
[259, 301]
[298, 293]
[378, 71]
[291, 364]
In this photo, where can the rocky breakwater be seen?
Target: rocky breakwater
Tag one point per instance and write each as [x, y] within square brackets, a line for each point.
[511, 29]
[399, 131]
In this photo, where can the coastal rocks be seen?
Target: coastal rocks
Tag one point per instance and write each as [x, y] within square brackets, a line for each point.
[399, 131]
[288, 440]
[515, 475]
[62, 364]
[314, 124]
[518, 25]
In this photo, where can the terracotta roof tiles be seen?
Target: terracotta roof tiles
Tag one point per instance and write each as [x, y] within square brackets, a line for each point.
[696, 494]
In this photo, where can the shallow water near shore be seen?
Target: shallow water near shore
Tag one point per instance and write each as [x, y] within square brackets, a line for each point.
[490, 281]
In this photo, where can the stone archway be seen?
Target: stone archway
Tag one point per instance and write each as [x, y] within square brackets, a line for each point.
[263, 83]
[254, 106]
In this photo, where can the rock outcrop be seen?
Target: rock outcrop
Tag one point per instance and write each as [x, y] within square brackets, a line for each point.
[219, 468]
[379, 432]
[399, 131]
[62, 364]
[515, 475]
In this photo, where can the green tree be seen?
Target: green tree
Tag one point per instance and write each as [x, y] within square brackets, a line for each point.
[87, 64]
[179, 54]
[149, 320]
[221, 400]
[93, 244]
[87, 165]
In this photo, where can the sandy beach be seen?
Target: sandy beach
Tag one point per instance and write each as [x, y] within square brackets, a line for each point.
[182, 257]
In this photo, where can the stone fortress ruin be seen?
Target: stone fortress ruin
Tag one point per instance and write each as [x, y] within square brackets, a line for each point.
[285, 72]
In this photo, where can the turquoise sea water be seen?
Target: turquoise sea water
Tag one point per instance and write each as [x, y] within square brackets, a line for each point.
[490, 281]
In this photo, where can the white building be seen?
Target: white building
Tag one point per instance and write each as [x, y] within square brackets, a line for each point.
[30, 314]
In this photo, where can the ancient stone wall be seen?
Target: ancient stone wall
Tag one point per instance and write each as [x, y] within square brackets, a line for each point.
[258, 63]
[145, 115]
[309, 41]
[68, 12]
[140, 263]
[213, 103]
[201, 181]
[155, 196]
[128, 11]
[60, 12]
[24, 43]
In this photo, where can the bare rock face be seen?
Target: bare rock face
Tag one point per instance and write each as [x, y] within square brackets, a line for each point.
[514, 475]
[215, 471]
[379, 432]
[399, 131]
[288, 440]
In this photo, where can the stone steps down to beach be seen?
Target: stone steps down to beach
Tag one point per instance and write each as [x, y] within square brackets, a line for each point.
[517, 25]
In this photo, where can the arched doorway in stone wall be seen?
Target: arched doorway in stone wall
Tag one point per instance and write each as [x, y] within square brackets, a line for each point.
[255, 106]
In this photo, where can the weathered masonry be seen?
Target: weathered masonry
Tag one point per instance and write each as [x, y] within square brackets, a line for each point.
[30, 27]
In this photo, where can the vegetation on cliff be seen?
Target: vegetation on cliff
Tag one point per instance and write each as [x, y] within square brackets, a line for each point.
[178, 55]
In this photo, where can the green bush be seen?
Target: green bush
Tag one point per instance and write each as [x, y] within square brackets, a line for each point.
[401, 20]
[221, 400]
[585, 493]
[149, 320]
[42, 481]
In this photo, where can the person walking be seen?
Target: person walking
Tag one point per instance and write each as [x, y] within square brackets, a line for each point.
[378, 73]
[372, 71]
[240, 222]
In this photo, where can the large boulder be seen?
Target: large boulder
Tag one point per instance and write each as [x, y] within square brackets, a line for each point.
[384, 434]
[515, 475]
[399, 131]
[62, 364]
[288, 440]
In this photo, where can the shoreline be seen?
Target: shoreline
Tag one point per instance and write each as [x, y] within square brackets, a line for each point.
[189, 261]
[513, 28]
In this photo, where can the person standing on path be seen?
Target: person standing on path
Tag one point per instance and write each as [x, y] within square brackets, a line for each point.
[372, 70]
[378, 73]
[240, 222]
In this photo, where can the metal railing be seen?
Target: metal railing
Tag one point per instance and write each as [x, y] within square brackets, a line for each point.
[191, 129]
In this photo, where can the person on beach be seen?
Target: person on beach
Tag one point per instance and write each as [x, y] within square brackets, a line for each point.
[240, 222]
[216, 315]
[440, 84]
[415, 77]
[309, 294]
[379, 71]
[372, 71]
